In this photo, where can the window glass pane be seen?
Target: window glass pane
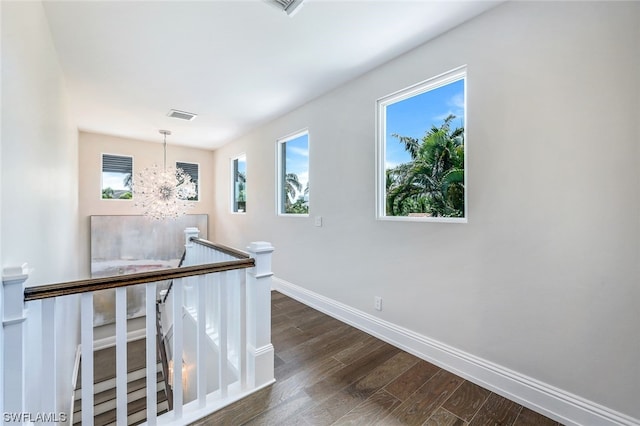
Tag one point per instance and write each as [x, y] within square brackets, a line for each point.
[117, 172]
[191, 169]
[424, 151]
[294, 175]
[240, 184]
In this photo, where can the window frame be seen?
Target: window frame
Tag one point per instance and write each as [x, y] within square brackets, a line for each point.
[232, 167]
[197, 183]
[454, 75]
[102, 155]
[280, 172]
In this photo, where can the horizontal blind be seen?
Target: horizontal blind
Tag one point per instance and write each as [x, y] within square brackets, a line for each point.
[189, 168]
[116, 164]
[288, 5]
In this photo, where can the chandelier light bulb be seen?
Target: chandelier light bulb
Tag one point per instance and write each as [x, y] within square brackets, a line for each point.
[164, 193]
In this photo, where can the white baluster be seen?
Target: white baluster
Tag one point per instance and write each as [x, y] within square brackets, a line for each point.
[177, 348]
[190, 255]
[49, 379]
[260, 349]
[13, 322]
[222, 335]
[86, 339]
[234, 316]
[214, 302]
[209, 302]
[121, 356]
[201, 342]
[242, 361]
[187, 296]
[152, 391]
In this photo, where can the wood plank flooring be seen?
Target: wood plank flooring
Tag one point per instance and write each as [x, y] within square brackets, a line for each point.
[329, 373]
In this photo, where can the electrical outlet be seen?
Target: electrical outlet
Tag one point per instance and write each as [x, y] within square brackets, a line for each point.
[318, 221]
[377, 303]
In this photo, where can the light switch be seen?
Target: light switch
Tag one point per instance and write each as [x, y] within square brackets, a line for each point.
[318, 221]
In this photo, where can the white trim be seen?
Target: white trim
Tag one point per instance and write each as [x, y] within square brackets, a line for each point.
[14, 321]
[431, 83]
[197, 183]
[192, 411]
[102, 154]
[266, 349]
[293, 214]
[555, 403]
[110, 341]
[456, 74]
[232, 161]
[279, 169]
[424, 219]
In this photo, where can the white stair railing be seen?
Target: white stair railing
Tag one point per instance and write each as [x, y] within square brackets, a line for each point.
[14, 330]
[219, 313]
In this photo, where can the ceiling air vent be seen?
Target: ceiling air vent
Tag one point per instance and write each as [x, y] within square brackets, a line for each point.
[182, 115]
[289, 6]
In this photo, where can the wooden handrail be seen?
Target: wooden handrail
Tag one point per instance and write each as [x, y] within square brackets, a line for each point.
[227, 250]
[94, 284]
[219, 247]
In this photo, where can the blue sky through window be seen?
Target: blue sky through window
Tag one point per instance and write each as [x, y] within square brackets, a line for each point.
[242, 166]
[415, 115]
[297, 159]
[114, 180]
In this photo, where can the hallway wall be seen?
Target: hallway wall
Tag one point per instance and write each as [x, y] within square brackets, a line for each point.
[39, 186]
[543, 280]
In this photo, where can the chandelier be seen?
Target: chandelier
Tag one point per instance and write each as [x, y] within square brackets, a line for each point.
[164, 193]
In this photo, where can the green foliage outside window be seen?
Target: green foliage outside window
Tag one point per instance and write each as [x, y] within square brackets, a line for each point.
[432, 183]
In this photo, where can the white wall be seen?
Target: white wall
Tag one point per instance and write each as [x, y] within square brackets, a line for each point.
[39, 170]
[1, 261]
[543, 279]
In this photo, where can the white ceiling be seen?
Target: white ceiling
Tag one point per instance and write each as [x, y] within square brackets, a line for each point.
[235, 63]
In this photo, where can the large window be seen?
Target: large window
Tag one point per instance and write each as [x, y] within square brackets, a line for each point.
[191, 169]
[239, 182]
[117, 177]
[293, 174]
[421, 151]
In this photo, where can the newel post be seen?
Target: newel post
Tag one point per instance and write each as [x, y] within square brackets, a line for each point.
[13, 322]
[188, 245]
[259, 347]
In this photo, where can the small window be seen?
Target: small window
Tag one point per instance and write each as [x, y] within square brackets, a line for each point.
[117, 177]
[293, 174]
[239, 182]
[422, 152]
[191, 169]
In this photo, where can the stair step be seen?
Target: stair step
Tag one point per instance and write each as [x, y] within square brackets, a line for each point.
[110, 394]
[104, 367]
[104, 398]
[136, 412]
[105, 385]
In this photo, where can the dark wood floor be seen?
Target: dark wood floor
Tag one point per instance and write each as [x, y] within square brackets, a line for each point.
[329, 373]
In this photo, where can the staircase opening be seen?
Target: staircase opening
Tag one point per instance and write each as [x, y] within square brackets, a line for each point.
[213, 320]
[104, 391]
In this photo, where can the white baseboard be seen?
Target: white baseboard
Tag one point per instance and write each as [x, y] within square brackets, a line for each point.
[557, 404]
